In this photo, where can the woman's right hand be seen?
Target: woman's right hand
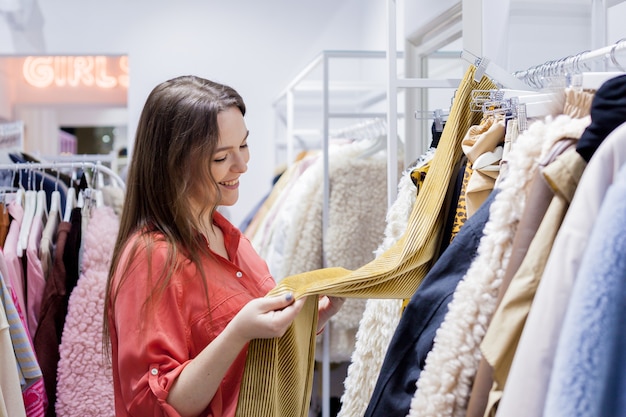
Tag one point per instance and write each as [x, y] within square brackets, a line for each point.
[267, 317]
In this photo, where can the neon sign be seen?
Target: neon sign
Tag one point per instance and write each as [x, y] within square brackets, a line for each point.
[73, 71]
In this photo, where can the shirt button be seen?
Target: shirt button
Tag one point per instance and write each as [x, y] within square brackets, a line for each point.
[239, 274]
[154, 371]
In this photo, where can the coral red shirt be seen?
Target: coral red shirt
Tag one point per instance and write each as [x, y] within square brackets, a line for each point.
[147, 361]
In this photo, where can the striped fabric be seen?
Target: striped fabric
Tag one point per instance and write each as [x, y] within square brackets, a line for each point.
[24, 353]
[29, 372]
[278, 377]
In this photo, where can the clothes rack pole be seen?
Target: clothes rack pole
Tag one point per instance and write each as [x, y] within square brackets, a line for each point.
[70, 165]
[575, 62]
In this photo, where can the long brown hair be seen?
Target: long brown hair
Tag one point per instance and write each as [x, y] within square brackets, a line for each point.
[174, 143]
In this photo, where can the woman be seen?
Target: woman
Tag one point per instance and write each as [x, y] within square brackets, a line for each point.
[186, 289]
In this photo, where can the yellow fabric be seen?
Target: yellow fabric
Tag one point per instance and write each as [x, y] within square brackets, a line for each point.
[461, 214]
[278, 376]
[418, 175]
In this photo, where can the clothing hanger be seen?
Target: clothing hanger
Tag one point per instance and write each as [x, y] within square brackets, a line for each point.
[41, 211]
[30, 206]
[80, 200]
[378, 144]
[590, 80]
[540, 104]
[99, 186]
[20, 193]
[439, 116]
[55, 200]
[440, 119]
[499, 75]
[573, 70]
[70, 199]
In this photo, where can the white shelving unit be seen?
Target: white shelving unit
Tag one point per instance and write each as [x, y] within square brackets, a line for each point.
[334, 91]
[338, 89]
[396, 86]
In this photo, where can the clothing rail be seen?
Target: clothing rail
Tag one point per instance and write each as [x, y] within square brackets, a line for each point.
[364, 130]
[96, 167]
[574, 63]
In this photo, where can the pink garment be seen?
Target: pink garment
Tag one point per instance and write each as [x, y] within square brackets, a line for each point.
[35, 281]
[84, 379]
[15, 280]
[33, 390]
[35, 400]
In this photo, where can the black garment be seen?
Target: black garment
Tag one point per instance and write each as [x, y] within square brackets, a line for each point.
[436, 132]
[608, 110]
[414, 336]
[72, 250]
[452, 206]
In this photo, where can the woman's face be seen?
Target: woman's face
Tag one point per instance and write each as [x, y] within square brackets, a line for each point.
[231, 156]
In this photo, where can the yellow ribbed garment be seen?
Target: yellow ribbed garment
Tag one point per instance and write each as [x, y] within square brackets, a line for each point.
[277, 380]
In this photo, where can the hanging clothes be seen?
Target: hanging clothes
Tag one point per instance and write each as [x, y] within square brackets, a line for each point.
[414, 335]
[608, 110]
[590, 361]
[482, 141]
[85, 382]
[380, 317]
[41, 280]
[549, 195]
[444, 387]
[11, 403]
[356, 213]
[396, 273]
[527, 382]
[52, 317]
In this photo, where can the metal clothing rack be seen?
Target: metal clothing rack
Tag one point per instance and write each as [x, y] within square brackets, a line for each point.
[96, 167]
[330, 90]
[575, 64]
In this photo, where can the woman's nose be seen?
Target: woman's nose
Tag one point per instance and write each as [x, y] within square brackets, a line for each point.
[240, 165]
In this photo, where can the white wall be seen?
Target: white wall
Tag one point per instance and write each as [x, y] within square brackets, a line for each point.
[256, 47]
[7, 91]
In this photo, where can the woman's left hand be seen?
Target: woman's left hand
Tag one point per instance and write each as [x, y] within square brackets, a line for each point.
[327, 307]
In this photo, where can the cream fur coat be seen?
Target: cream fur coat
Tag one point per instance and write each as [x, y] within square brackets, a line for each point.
[357, 209]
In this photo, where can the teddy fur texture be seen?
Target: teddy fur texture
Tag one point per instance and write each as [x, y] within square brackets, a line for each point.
[445, 383]
[357, 207]
[589, 368]
[380, 317]
[84, 379]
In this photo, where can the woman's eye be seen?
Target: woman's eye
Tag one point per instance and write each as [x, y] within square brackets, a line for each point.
[245, 145]
[219, 159]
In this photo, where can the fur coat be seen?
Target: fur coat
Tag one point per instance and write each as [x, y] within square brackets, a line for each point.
[380, 317]
[85, 380]
[357, 208]
[444, 385]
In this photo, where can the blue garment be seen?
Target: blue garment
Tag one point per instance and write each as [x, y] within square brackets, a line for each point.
[35, 179]
[589, 374]
[414, 336]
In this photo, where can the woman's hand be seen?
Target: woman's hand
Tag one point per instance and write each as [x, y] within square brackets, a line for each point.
[267, 317]
[328, 307]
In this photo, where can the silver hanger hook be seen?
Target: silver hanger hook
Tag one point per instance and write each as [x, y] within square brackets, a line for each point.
[612, 55]
[29, 179]
[56, 183]
[578, 62]
[43, 177]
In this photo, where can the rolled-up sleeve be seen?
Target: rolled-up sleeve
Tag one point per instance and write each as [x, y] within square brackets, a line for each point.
[152, 346]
